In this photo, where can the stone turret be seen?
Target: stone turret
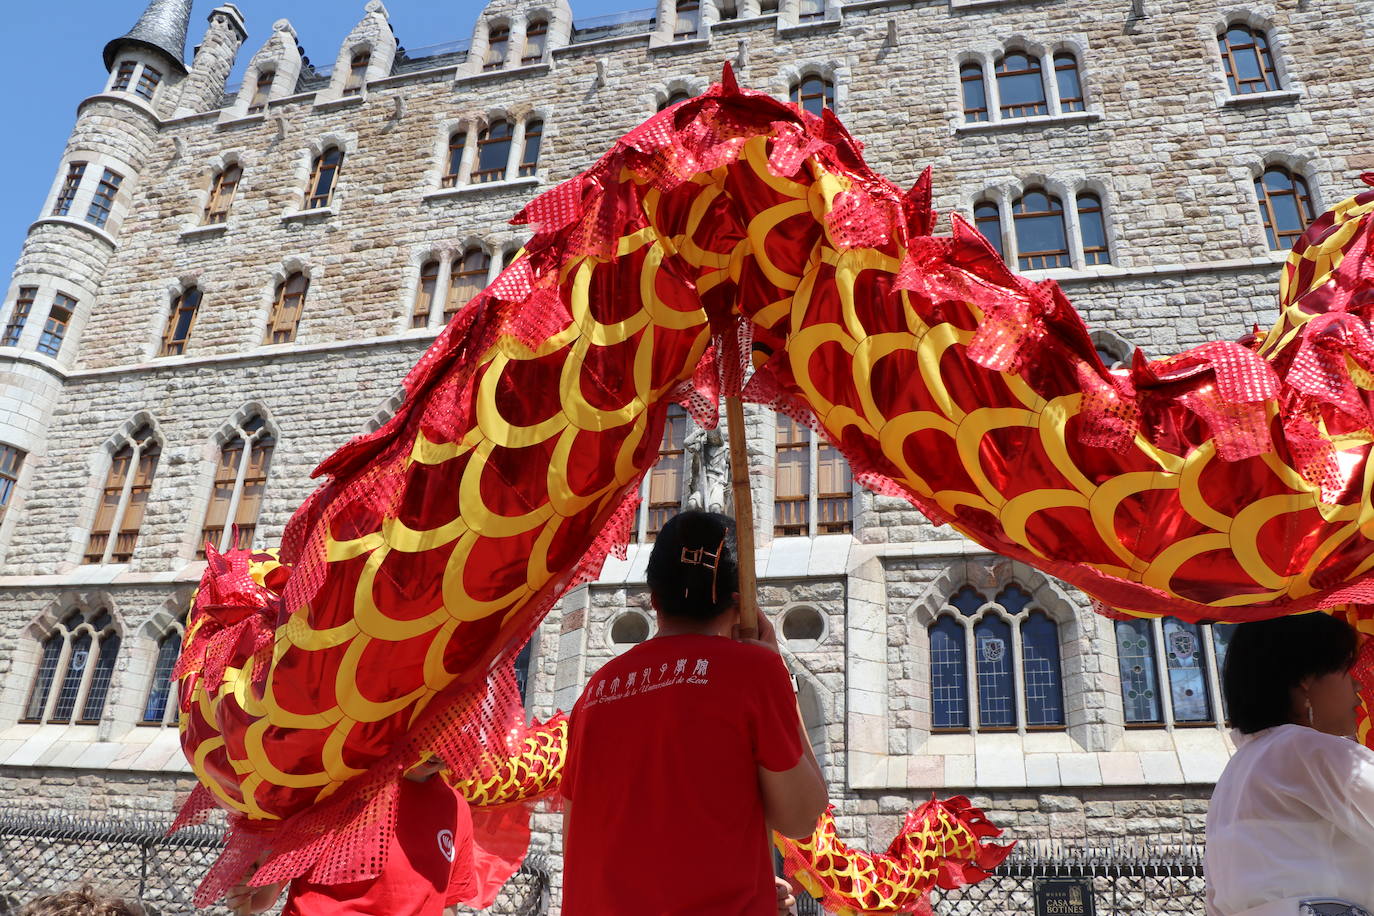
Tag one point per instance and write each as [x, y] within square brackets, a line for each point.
[161, 28]
[203, 88]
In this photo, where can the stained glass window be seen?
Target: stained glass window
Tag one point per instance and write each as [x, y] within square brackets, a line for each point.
[1135, 655]
[1184, 658]
[948, 675]
[1041, 670]
[992, 662]
[160, 691]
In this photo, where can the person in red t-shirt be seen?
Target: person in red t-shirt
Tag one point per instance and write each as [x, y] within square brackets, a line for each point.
[428, 866]
[684, 750]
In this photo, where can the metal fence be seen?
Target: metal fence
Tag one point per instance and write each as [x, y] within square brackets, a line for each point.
[137, 861]
[1127, 880]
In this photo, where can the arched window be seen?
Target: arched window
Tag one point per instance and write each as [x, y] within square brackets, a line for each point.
[1168, 650]
[497, 40]
[222, 189]
[124, 499]
[809, 10]
[79, 659]
[987, 219]
[102, 203]
[667, 479]
[231, 519]
[1000, 635]
[1285, 206]
[1041, 239]
[287, 305]
[814, 94]
[1021, 86]
[457, 142]
[55, 328]
[1248, 60]
[677, 95]
[324, 175]
[76, 171]
[975, 92]
[536, 34]
[688, 20]
[180, 322]
[1093, 230]
[529, 158]
[493, 152]
[948, 675]
[1066, 78]
[159, 705]
[23, 305]
[262, 91]
[424, 296]
[469, 279]
[357, 73]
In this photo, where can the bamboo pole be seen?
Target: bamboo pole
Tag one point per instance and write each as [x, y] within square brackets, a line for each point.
[744, 519]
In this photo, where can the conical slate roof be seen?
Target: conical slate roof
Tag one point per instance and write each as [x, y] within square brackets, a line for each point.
[162, 27]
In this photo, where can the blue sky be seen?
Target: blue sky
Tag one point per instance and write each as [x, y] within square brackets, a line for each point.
[57, 62]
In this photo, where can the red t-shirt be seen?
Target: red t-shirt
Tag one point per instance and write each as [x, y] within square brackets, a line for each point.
[662, 774]
[428, 867]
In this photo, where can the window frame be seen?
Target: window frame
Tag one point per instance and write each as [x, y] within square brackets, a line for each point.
[465, 277]
[497, 37]
[148, 81]
[129, 480]
[71, 184]
[55, 328]
[124, 75]
[223, 187]
[425, 298]
[1061, 257]
[529, 168]
[684, 12]
[971, 72]
[321, 168]
[1211, 668]
[103, 200]
[11, 466]
[453, 164]
[479, 175]
[1262, 48]
[262, 91]
[19, 316]
[171, 699]
[813, 501]
[286, 303]
[1095, 255]
[1299, 190]
[77, 625]
[826, 95]
[1068, 104]
[539, 28]
[672, 459]
[356, 80]
[253, 443]
[186, 302]
[1012, 112]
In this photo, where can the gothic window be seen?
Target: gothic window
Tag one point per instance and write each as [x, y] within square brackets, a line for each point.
[159, 706]
[357, 73]
[809, 10]
[240, 479]
[180, 322]
[1021, 85]
[70, 184]
[124, 499]
[287, 305]
[814, 94]
[469, 279]
[262, 91]
[975, 92]
[677, 95]
[55, 328]
[1000, 635]
[792, 479]
[147, 82]
[1248, 60]
[457, 142]
[529, 159]
[688, 20]
[1171, 652]
[497, 40]
[424, 295]
[493, 152]
[1285, 206]
[667, 479]
[222, 190]
[22, 306]
[1066, 79]
[987, 219]
[728, 10]
[1041, 239]
[834, 491]
[78, 660]
[124, 75]
[1093, 230]
[11, 460]
[103, 201]
[536, 34]
[324, 174]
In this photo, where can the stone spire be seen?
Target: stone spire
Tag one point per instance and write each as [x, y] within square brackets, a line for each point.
[162, 27]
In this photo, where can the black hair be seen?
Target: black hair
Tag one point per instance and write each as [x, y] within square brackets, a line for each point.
[1268, 658]
[692, 571]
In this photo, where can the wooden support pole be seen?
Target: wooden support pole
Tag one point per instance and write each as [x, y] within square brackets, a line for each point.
[744, 519]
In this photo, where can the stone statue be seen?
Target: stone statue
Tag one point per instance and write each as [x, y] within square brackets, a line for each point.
[708, 468]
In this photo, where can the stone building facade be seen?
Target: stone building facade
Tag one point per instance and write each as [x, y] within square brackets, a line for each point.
[226, 283]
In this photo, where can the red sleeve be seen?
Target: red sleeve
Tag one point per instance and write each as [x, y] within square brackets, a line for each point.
[462, 883]
[574, 743]
[777, 742]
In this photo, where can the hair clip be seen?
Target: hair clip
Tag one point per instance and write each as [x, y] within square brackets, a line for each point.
[698, 556]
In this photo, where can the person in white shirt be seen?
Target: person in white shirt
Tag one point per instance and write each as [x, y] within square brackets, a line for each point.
[1290, 828]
